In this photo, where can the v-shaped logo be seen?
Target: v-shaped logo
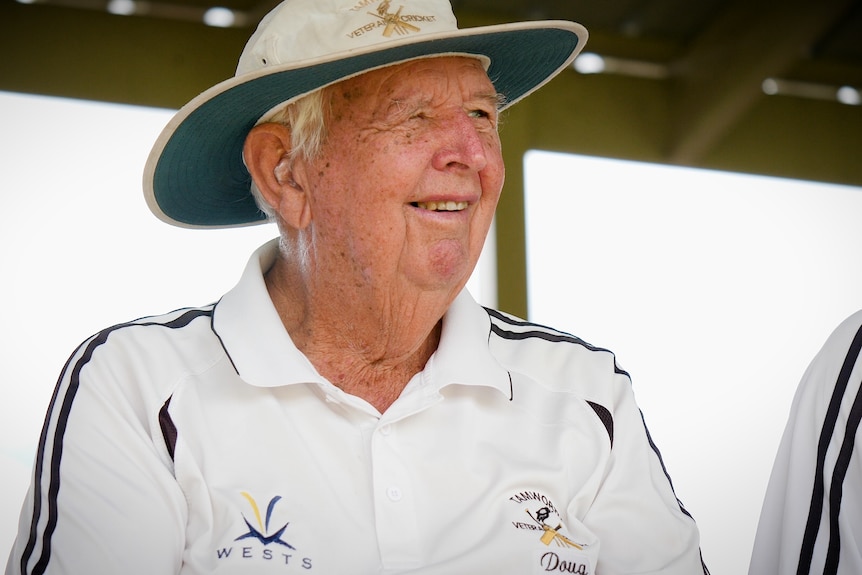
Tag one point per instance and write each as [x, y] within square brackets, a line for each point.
[262, 532]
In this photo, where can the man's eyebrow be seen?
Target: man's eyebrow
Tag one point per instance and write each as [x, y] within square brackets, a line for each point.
[409, 100]
[497, 99]
[401, 104]
[398, 104]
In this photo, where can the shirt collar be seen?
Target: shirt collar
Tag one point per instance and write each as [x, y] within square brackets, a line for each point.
[463, 356]
[264, 355]
[251, 331]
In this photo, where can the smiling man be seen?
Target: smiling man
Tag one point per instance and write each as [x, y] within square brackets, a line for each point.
[392, 212]
[348, 407]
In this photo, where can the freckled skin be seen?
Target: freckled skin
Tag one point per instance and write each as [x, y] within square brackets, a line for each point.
[380, 271]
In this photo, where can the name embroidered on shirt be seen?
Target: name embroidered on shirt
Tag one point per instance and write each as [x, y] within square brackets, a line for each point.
[554, 562]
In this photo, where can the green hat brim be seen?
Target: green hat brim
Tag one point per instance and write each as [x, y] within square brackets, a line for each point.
[195, 176]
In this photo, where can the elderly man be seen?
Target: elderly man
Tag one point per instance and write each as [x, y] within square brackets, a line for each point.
[347, 407]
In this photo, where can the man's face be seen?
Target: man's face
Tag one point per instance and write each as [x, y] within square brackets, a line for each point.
[409, 176]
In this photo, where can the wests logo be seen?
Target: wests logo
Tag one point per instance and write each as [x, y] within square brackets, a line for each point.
[268, 543]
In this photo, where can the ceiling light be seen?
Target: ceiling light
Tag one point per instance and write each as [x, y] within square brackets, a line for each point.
[589, 63]
[811, 90]
[770, 87]
[849, 95]
[219, 17]
[121, 7]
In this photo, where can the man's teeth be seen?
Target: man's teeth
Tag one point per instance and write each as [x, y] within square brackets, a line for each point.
[449, 206]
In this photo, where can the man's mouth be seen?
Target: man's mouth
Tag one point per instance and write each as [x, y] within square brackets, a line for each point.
[449, 206]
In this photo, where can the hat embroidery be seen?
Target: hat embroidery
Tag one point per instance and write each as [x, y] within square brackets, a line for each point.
[392, 22]
[362, 4]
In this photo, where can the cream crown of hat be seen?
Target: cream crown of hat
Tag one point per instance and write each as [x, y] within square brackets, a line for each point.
[195, 176]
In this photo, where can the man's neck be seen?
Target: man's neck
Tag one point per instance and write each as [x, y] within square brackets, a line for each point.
[367, 352]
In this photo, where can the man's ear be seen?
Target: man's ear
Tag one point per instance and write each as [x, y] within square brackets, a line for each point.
[267, 156]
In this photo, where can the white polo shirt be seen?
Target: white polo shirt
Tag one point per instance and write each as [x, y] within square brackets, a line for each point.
[203, 441]
[811, 520]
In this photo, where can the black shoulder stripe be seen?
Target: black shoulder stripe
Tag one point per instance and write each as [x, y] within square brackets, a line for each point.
[817, 495]
[655, 450]
[605, 417]
[57, 440]
[37, 487]
[542, 332]
[682, 508]
[838, 476]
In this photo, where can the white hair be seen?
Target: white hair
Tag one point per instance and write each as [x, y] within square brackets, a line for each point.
[306, 119]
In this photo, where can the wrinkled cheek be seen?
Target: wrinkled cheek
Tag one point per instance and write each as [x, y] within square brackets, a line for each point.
[492, 190]
[496, 177]
[448, 260]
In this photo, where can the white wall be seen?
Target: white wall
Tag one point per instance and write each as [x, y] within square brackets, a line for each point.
[714, 290]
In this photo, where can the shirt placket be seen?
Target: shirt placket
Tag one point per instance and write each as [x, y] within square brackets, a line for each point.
[394, 501]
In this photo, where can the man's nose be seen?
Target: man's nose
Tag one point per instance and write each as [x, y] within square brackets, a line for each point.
[462, 144]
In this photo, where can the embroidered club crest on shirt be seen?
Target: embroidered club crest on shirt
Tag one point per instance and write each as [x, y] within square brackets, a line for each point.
[551, 534]
[262, 532]
[264, 539]
[556, 550]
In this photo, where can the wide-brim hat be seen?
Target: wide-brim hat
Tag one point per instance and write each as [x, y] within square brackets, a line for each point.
[195, 176]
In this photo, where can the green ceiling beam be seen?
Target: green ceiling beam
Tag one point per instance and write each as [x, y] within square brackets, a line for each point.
[99, 56]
